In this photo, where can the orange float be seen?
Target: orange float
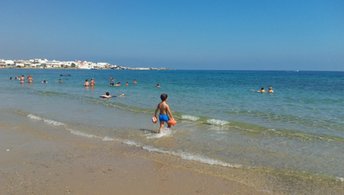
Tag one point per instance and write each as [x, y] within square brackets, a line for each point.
[172, 122]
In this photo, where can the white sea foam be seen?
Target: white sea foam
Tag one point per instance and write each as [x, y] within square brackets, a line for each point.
[206, 160]
[82, 134]
[190, 117]
[131, 143]
[154, 149]
[34, 117]
[47, 121]
[72, 131]
[163, 133]
[217, 122]
[107, 139]
[183, 155]
[53, 123]
[341, 179]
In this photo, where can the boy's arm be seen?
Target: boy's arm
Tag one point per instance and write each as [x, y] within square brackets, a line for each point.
[169, 112]
[156, 110]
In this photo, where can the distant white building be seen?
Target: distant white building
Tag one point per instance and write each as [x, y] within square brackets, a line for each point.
[139, 68]
[40, 61]
[2, 64]
[20, 65]
[54, 64]
[9, 62]
[84, 65]
[102, 64]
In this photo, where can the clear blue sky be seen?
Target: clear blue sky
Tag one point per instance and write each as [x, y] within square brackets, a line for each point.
[182, 34]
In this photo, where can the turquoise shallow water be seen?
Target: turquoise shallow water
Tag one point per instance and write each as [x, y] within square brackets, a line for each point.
[221, 118]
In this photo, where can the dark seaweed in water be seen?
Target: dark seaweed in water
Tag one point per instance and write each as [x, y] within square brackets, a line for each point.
[65, 75]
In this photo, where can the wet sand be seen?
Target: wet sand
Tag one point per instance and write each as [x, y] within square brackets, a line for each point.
[55, 162]
[37, 160]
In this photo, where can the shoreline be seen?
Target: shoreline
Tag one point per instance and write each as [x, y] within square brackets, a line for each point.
[36, 158]
[54, 162]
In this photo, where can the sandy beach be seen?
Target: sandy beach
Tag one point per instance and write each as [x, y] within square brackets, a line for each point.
[54, 162]
[38, 159]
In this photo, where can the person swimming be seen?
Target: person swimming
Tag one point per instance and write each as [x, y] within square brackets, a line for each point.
[22, 79]
[106, 95]
[29, 79]
[270, 90]
[92, 83]
[261, 90]
[118, 84]
[86, 84]
[112, 81]
[157, 85]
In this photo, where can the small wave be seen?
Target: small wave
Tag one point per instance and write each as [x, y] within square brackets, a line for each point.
[341, 179]
[54, 123]
[164, 133]
[217, 122]
[34, 117]
[206, 160]
[183, 155]
[153, 149]
[190, 117]
[47, 121]
[107, 139]
[82, 134]
[131, 143]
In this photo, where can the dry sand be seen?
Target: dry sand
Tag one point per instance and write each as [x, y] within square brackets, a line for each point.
[50, 161]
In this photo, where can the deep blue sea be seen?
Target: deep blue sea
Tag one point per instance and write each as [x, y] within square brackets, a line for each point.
[222, 120]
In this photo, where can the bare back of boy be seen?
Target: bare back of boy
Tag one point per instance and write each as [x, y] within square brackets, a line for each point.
[163, 107]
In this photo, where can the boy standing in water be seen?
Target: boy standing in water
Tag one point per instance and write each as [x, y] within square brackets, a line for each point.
[165, 112]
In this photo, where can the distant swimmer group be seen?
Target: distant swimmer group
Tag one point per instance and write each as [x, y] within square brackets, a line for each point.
[90, 83]
[262, 90]
[118, 84]
[22, 79]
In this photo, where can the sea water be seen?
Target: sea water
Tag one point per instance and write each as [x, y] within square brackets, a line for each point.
[222, 120]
